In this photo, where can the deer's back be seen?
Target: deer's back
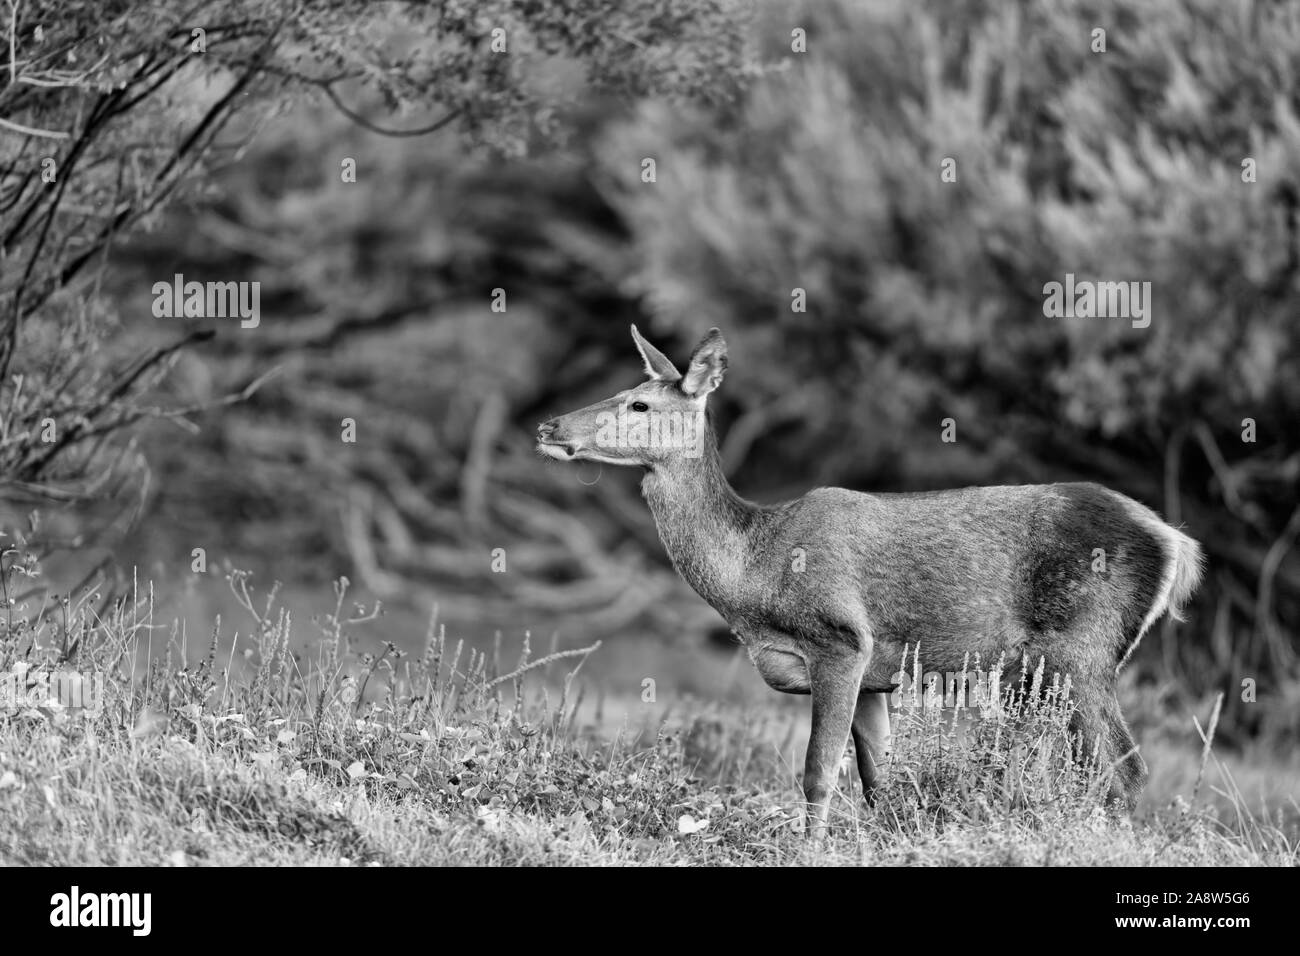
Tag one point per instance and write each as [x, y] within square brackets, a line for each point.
[983, 569]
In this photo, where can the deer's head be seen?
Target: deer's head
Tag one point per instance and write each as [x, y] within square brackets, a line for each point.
[660, 420]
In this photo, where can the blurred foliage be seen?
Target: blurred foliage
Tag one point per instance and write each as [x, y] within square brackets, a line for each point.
[109, 111]
[926, 297]
[776, 170]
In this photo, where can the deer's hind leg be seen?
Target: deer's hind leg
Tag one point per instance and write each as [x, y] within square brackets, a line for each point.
[1131, 771]
[872, 740]
[1100, 729]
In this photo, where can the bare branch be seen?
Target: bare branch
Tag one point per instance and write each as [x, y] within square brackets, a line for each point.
[360, 120]
[31, 130]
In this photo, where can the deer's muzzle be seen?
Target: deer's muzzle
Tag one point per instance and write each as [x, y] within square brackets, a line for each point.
[550, 441]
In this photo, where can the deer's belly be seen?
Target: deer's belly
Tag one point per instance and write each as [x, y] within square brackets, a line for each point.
[787, 671]
[782, 670]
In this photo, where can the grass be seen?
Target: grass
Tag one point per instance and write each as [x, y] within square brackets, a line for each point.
[332, 757]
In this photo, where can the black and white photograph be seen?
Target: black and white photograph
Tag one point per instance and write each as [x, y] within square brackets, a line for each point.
[650, 434]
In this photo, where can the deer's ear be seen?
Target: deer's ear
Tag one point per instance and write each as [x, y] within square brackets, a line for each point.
[657, 365]
[708, 363]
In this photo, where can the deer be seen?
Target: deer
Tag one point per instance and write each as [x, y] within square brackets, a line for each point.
[827, 591]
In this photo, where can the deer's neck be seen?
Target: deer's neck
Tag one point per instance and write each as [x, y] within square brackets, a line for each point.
[708, 529]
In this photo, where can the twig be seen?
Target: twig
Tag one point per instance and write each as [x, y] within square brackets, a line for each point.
[1207, 738]
[1264, 600]
[31, 130]
[360, 120]
[542, 662]
[478, 462]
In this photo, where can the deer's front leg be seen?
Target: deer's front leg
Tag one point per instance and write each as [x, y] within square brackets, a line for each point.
[835, 675]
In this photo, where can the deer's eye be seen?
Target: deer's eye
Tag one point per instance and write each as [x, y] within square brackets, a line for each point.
[639, 407]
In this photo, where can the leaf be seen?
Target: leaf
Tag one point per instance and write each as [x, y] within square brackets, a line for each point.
[688, 824]
[356, 770]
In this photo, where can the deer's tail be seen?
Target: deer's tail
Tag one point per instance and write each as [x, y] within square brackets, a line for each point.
[1182, 566]
[1186, 567]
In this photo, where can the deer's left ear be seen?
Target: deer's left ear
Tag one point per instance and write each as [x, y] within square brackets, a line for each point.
[657, 365]
[708, 363]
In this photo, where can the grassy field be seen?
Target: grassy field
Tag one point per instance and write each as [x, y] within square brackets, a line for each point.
[260, 755]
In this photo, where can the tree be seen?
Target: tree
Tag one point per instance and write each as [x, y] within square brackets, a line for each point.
[112, 111]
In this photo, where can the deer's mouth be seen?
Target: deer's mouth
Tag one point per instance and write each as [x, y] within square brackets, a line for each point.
[564, 451]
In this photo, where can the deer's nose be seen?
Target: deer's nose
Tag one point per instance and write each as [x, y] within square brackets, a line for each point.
[545, 429]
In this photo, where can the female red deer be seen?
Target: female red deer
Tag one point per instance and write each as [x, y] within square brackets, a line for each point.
[825, 591]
